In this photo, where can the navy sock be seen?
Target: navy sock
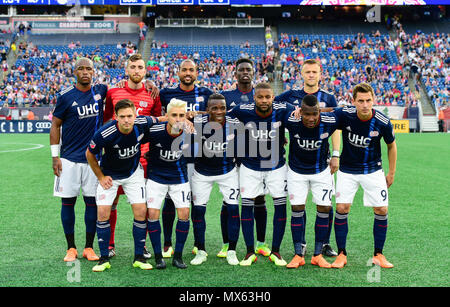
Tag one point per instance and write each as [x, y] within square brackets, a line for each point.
[341, 230]
[68, 220]
[154, 232]
[224, 222]
[260, 214]
[330, 227]
[168, 218]
[380, 225]
[304, 229]
[297, 230]
[321, 230]
[199, 225]
[139, 235]
[233, 225]
[90, 219]
[247, 221]
[279, 222]
[103, 236]
[181, 233]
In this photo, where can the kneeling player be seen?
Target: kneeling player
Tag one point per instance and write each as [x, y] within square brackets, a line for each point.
[215, 164]
[121, 140]
[167, 174]
[309, 170]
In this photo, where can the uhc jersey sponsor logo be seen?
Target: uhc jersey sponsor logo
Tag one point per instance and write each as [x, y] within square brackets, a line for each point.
[87, 110]
[129, 152]
[309, 144]
[358, 140]
[169, 155]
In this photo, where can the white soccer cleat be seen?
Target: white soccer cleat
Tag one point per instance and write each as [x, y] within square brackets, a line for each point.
[199, 258]
[231, 258]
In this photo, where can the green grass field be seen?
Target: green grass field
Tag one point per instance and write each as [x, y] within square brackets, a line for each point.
[32, 243]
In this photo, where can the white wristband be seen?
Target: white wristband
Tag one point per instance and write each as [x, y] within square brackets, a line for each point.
[55, 150]
[335, 153]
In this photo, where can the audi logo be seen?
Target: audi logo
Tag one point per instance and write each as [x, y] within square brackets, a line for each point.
[43, 125]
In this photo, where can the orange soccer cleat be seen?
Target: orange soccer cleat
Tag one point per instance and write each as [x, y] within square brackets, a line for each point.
[90, 255]
[340, 262]
[71, 255]
[296, 262]
[380, 260]
[320, 261]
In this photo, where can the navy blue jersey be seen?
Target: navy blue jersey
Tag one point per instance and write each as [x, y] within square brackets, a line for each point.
[166, 163]
[262, 138]
[361, 153]
[215, 146]
[196, 99]
[235, 97]
[81, 117]
[121, 152]
[309, 147]
[295, 97]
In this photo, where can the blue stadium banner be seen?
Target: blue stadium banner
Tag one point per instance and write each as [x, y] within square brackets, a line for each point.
[214, 2]
[133, 2]
[175, 2]
[71, 25]
[74, 2]
[25, 126]
[222, 2]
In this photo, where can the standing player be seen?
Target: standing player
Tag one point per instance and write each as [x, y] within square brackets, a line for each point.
[215, 163]
[309, 170]
[362, 130]
[167, 174]
[311, 73]
[196, 98]
[120, 140]
[146, 105]
[77, 115]
[263, 166]
[244, 93]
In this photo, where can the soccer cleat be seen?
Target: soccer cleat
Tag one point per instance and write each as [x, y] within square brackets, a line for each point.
[277, 259]
[262, 249]
[223, 251]
[328, 251]
[71, 255]
[167, 252]
[231, 258]
[340, 261]
[248, 260]
[296, 262]
[320, 261]
[142, 263]
[178, 262]
[200, 257]
[111, 251]
[147, 254]
[102, 265]
[90, 255]
[380, 260]
[160, 264]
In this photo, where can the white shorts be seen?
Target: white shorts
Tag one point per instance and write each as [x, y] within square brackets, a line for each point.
[179, 193]
[321, 186]
[254, 183]
[73, 177]
[228, 186]
[374, 186]
[133, 187]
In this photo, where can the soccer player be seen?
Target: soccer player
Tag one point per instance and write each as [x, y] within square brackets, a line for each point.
[167, 174]
[77, 115]
[362, 130]
[120, 140]
[215, 163]
[263, 166]
[311, 73]
[196, 98]
[243, 93]
[135, 90]
[309, 170]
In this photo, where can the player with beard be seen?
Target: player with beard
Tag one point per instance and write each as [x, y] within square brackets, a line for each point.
[196, 98]
[243, 93]
[146, 104]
